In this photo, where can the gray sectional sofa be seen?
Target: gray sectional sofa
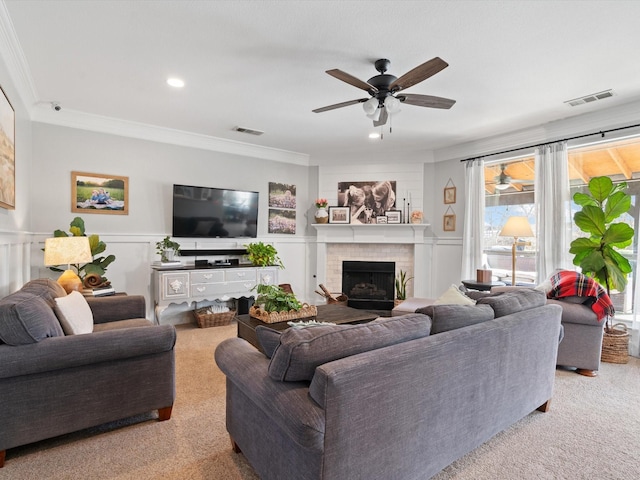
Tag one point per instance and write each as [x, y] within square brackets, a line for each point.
[390, 399]
[52, 383]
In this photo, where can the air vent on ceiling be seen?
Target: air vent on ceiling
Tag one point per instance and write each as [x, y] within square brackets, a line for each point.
[247, 130]
[590, 98]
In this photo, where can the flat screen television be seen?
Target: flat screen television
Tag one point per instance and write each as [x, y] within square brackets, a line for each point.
[203, 212]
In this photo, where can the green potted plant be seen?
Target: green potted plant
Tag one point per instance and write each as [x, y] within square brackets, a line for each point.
[273, 298]
[263, 255]
[99, 264]
[401, 285]
[167, 248]
[597, 255]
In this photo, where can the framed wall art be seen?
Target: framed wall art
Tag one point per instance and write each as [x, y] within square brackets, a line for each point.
[339, 215]
[449, 223]
[394, 216]
[381, 220]
[99, 193]
[449, 192]
[7, 153]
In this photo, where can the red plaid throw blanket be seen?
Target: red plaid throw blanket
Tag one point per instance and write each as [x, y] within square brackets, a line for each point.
[567, 284]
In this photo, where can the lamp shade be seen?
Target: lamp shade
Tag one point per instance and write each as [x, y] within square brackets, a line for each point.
[66, 250]
[516, 227]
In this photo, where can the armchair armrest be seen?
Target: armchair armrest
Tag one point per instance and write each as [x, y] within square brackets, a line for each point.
[58, 353]
[117, 307]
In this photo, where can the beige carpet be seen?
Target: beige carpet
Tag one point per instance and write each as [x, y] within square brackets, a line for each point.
[591, 432]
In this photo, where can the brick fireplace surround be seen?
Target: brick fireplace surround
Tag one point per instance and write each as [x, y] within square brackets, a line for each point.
[404, 244]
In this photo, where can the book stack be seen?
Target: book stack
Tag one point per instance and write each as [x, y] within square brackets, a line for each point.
[98, 292]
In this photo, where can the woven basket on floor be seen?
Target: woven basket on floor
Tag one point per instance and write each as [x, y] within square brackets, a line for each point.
[275, 317]
[615, 344]
[206, 319]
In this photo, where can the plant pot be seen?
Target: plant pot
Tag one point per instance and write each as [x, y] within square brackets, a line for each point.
[615, 344]
[321, 216]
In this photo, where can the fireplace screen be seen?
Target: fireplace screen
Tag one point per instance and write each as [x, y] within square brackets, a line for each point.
[369, 285]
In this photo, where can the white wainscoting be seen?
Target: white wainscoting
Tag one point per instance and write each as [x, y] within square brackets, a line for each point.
[15, 248]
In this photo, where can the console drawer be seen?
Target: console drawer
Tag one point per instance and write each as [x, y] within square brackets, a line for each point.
[207, 276]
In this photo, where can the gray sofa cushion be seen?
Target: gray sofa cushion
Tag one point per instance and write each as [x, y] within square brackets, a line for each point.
[268, 338]
[27, 318]
[514, 301]
[45, 288]
[450, 317]
[301, 350]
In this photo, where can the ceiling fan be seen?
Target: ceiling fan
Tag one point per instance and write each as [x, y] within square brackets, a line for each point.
[504, 181]
[385, 90]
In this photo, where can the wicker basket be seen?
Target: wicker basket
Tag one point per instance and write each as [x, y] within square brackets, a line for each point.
[205, 318]
[276, 317]
[615, 344]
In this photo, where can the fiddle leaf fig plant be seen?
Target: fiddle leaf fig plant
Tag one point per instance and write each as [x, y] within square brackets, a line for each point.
[99, 264]
[597, 255]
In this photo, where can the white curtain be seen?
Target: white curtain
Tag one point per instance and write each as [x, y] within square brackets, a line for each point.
[553, 209]
[473, 235]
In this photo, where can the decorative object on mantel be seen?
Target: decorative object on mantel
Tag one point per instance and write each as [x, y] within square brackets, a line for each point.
[339, 215]
[449, 220]
[167, 249]
[416, 216]
[393, 216]
[598, 256]
[321, 215]
[449, 192]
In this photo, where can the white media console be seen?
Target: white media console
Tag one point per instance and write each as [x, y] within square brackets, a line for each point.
[189, 284]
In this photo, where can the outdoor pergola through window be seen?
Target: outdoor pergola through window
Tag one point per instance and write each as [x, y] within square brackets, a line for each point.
[509, 191]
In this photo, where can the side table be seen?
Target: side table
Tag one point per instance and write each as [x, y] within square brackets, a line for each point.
[482, 286]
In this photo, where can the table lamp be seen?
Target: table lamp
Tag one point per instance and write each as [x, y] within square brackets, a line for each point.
[61, 250]
[516, 227]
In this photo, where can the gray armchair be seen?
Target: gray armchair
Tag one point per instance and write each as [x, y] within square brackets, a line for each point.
[52, 384]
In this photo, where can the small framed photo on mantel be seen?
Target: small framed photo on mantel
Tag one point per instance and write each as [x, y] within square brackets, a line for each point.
[340, 215]
[393, 216]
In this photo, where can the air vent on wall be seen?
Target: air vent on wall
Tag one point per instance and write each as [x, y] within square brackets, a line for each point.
[247, 130]
[590, 98]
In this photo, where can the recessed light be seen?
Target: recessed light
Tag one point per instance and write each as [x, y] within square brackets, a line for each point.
[374, 135]
[175, 82]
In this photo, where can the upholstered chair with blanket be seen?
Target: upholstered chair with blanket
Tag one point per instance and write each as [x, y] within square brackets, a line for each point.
[67, 363]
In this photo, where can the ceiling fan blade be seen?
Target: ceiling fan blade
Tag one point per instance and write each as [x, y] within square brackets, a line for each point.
[339, 105]
[351, 80]
[426, 100]
[418, 74]
[384, 115]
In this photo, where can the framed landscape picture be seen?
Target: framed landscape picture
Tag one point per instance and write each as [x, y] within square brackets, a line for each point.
[99, 193]
[7, 154]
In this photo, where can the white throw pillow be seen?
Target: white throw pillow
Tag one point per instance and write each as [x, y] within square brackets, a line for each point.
[453, 296]
[74, 314]
[545, 286]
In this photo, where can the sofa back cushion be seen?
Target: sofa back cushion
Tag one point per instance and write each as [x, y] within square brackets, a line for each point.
[514, 301]
[27, 318]
[450, 317]
[46, 288]
[301, 350]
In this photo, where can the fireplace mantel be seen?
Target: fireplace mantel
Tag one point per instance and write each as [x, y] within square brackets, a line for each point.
[370, 233]
[389, 234]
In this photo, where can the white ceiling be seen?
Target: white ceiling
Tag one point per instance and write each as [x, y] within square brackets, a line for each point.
[261, 64]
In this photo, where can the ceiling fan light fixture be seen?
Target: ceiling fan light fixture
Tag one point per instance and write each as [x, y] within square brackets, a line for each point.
[375, 116]
[370, 106]
[392, 104]
[502, 186]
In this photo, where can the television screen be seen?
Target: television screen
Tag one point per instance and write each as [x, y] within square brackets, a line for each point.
[214, 212]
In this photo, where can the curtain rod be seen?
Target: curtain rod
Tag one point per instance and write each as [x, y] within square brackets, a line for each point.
[601, 132]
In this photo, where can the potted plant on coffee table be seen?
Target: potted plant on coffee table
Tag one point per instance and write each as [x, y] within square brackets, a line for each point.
[597, 255]
[273, 304]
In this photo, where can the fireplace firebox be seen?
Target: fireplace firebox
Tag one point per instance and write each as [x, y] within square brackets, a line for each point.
[369, 285]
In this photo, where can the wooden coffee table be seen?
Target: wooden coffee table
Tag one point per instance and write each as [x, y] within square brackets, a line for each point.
[337, 314]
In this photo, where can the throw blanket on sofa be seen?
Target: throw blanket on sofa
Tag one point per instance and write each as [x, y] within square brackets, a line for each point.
[567, 284]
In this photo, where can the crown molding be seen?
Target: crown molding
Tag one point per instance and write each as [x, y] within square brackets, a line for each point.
[12, 54]
[125, 128]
